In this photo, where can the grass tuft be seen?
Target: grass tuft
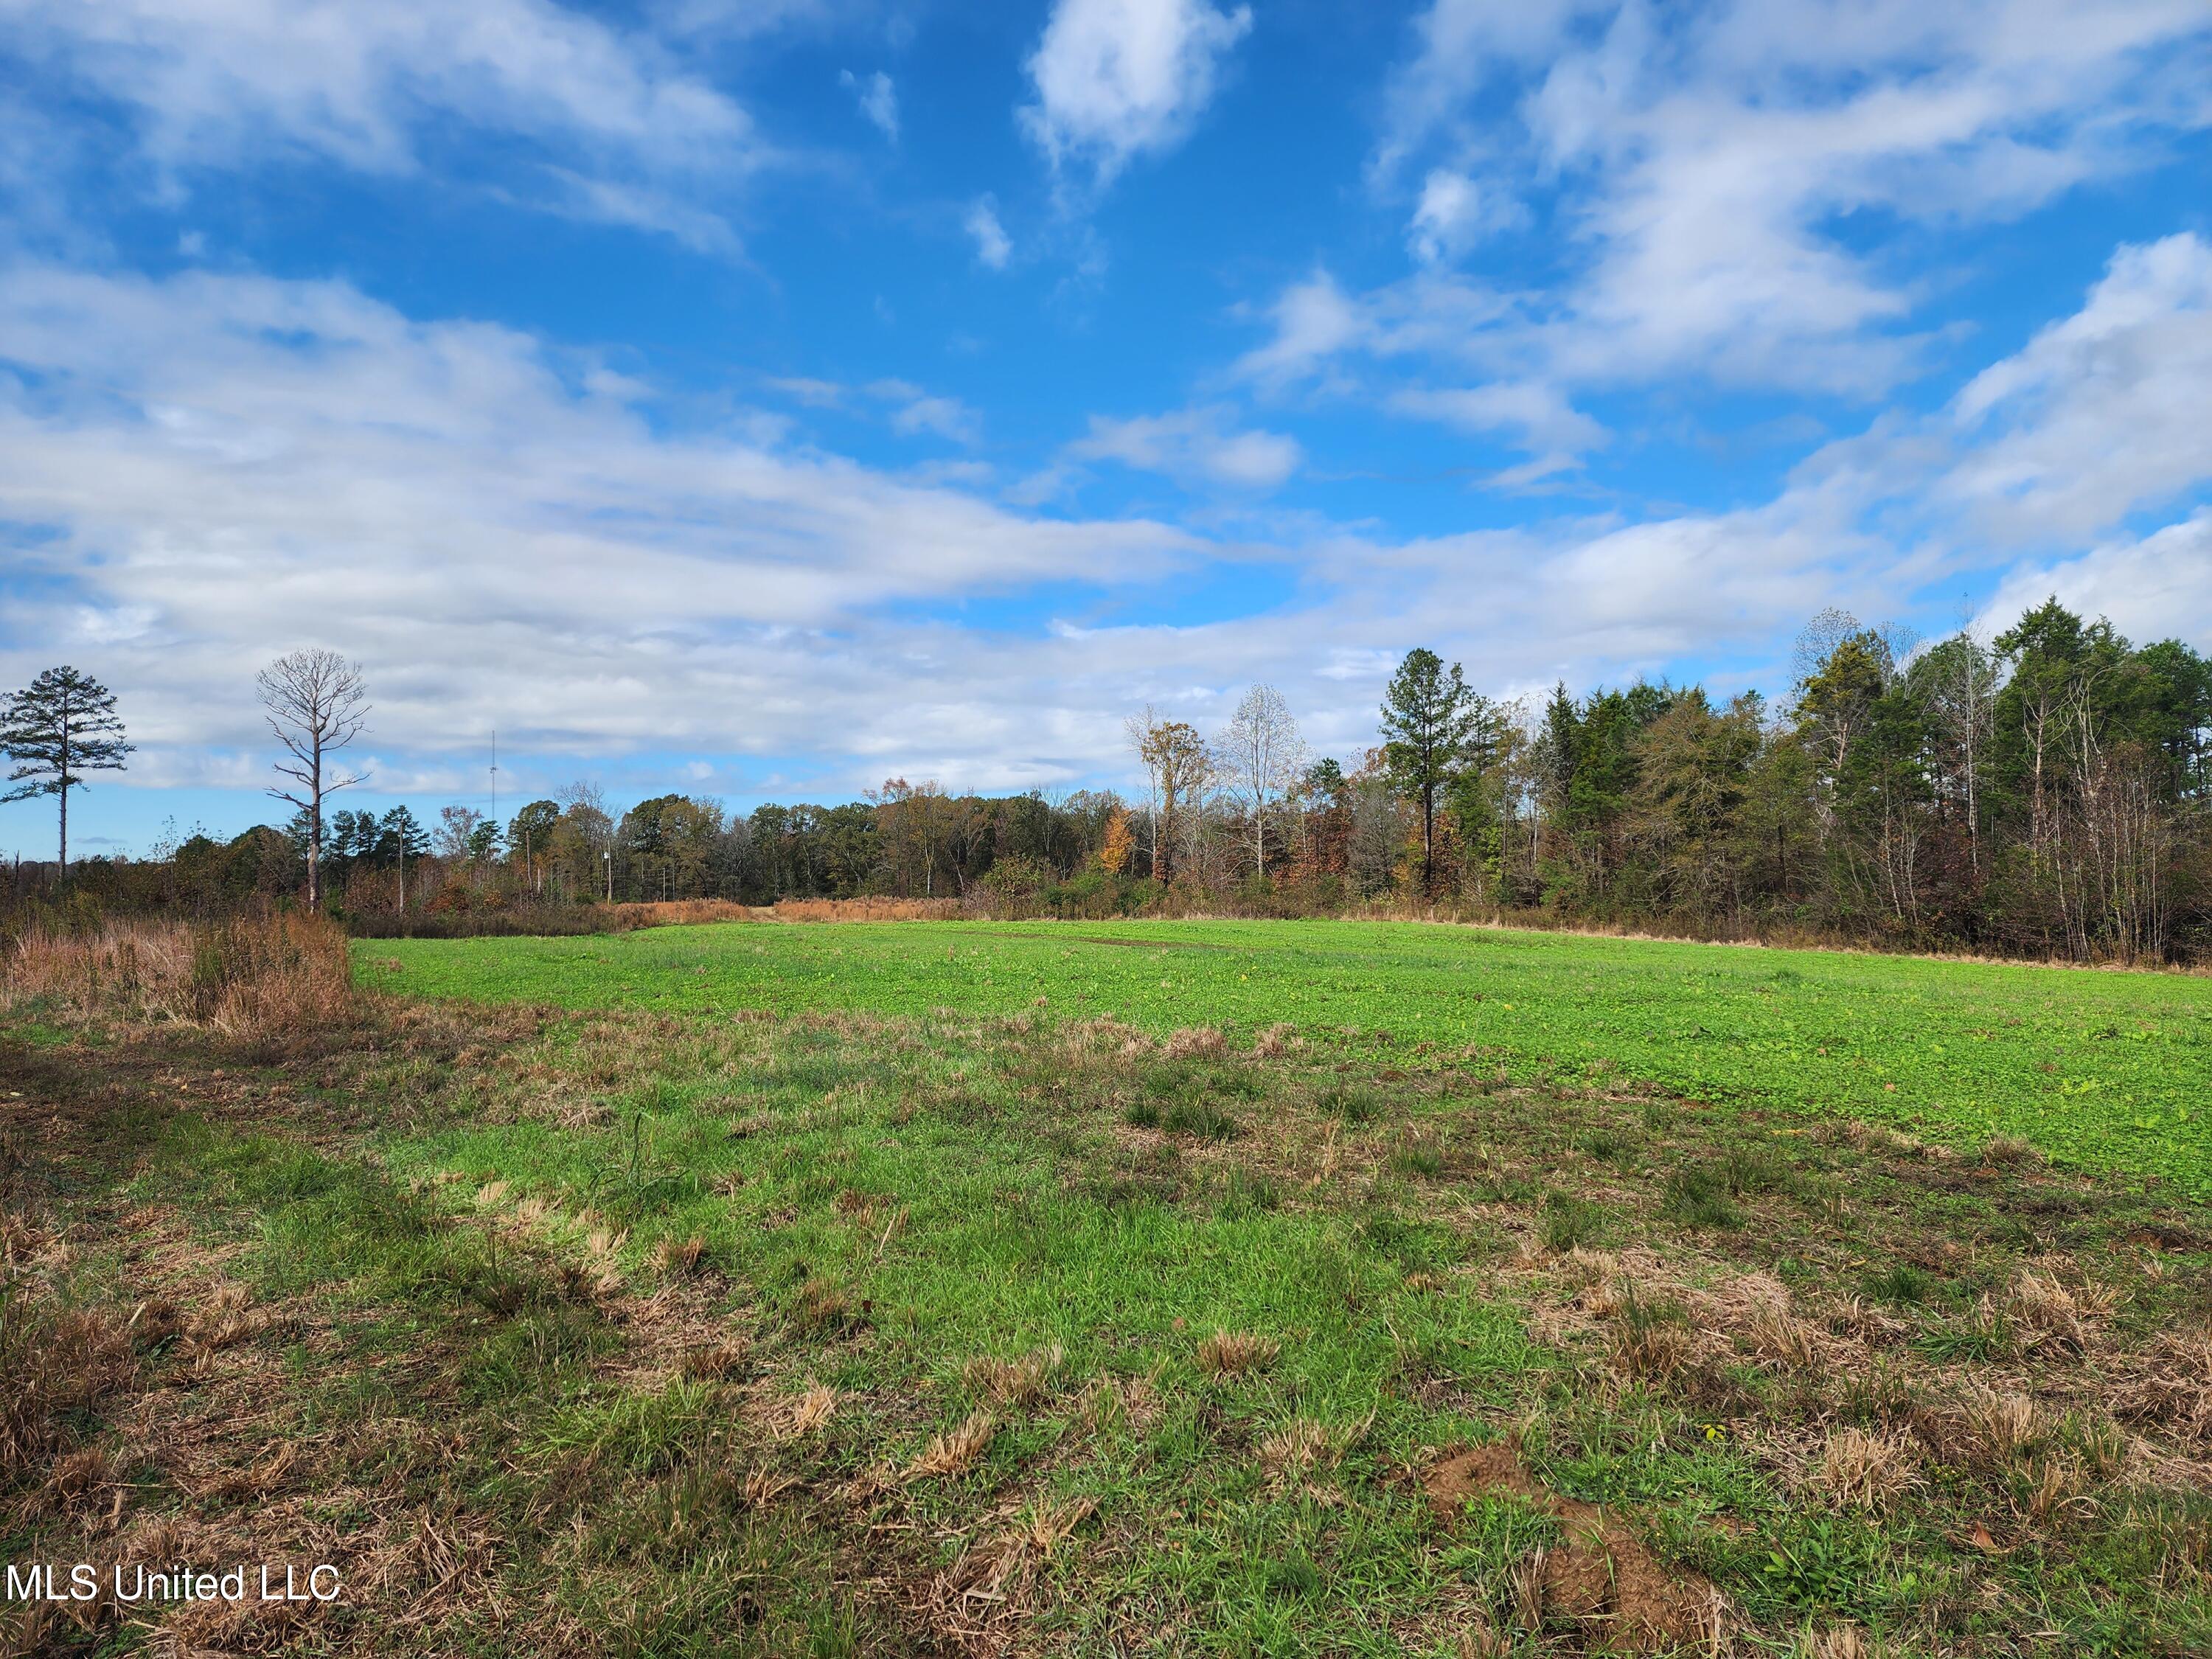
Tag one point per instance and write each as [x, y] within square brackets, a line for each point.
[956, 1450]
[1228, 1354]
[1022, 1381]
[1860, 1470]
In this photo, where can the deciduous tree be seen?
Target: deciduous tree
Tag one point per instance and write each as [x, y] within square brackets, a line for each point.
[317, 705]
[1262, 756]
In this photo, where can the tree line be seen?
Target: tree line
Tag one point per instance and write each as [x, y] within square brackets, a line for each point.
[2047, 792]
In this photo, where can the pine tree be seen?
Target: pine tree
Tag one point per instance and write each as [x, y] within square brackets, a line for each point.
[1429, 718]
[60, 727]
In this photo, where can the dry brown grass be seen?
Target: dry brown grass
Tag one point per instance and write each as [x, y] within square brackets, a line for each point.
[125, 967]
[1838, 1642]
[1021, 1382]
[1196, 1043]
[225, 1319]
[2043, 1313]
[1987, 1428]
[1302, 1451]
[679, 1258]
[2170, 1388]
[996, 1579]
[1859, 1470]
[812, 1409]
[56, 1364]
[250, 976]
[711, 1363]
[956, 1450]
[1229, 1353]
[2058, 1492]
[1780, 1338]
[865, 910]
[1648, 1340]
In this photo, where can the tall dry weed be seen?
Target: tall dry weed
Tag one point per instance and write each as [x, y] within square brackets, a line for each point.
[253, 976]
[56, 1365]
[272, 975]
[136, 968]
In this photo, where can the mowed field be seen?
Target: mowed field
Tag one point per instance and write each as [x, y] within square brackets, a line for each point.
[2101, 1070]
[1031, 1292]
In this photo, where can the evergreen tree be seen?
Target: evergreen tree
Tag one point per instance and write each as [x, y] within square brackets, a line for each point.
[1429, 718]
[57, 728]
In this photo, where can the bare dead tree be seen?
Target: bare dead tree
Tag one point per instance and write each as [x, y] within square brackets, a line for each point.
[317, 705]
[1138, 729]
[1262, 756]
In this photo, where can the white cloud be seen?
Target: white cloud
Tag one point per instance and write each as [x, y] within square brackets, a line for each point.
[946, 417]
[918, 412]
[993, 246]
[1455, 212]
[224, 466]
[1193, 444]
[1314, 320]
[225, 83]
[878, 99]
[2104, 412]
[1542, 419]
[1117, 78]
[2159, 587]
[1695, 164]
[230, 466]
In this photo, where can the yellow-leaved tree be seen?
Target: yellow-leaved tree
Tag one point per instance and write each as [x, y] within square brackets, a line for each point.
[1120, 843]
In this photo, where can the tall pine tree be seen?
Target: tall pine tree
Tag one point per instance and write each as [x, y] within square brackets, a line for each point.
[60, 726]
[1429, 718]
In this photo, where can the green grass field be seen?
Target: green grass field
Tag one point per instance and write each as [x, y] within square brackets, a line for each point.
[813, 1291]
[2104, 1072]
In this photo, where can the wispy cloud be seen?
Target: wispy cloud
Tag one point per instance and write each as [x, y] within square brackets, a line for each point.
[993, 247]
[617, 124]
[1194, 445]
[878, 99]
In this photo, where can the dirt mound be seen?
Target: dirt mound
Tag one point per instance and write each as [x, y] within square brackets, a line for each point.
[1600, 1577]
[1480, 1472]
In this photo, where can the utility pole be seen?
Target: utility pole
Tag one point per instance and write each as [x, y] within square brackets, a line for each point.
[607, 856]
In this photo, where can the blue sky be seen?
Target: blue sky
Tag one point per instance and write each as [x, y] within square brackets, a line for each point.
[765, 399]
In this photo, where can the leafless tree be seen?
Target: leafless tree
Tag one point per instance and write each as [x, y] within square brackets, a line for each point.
[1138, 728]
[317, 705]
[1260, 756]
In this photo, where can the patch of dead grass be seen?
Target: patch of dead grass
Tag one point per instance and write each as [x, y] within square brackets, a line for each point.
[57, 1366]
[1227, 1354]
[956, 1450]
[2169, 1386]
[1862, 1470]
[1022, 1381]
